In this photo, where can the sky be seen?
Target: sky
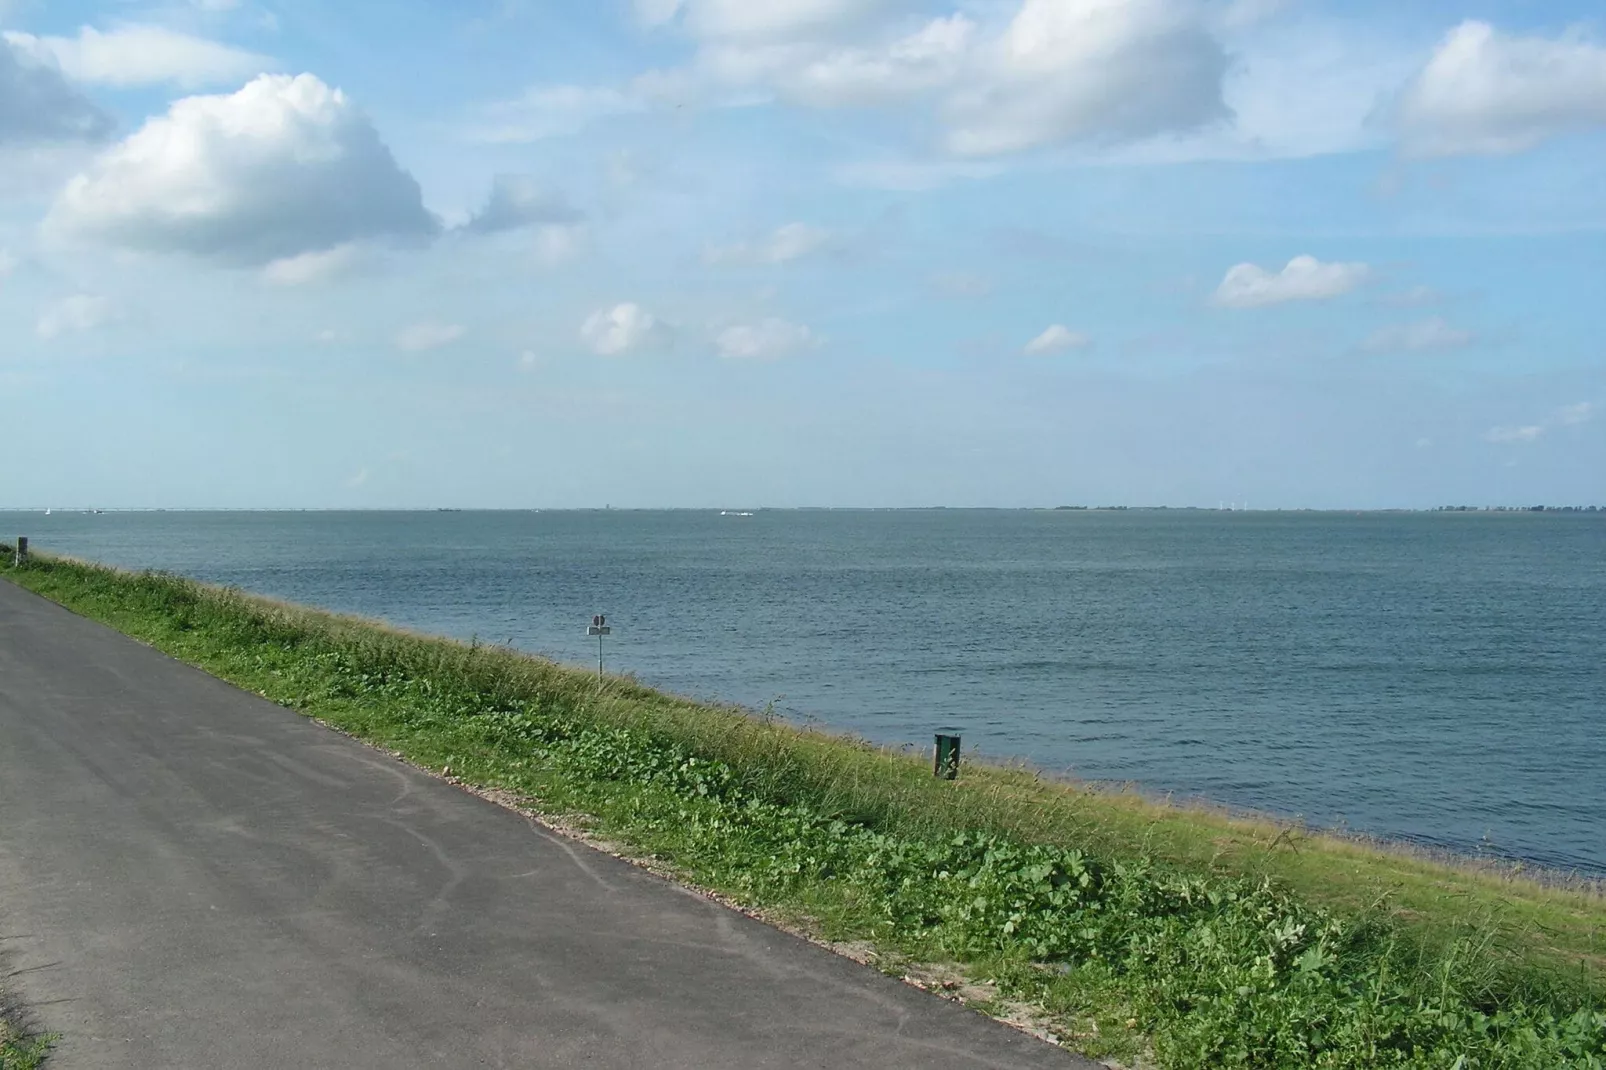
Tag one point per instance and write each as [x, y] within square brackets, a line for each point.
[724, 253]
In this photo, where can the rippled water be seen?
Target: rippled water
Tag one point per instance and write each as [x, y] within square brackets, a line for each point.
[1438, 677]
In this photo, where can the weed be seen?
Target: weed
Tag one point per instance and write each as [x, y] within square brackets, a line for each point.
[21, 1048]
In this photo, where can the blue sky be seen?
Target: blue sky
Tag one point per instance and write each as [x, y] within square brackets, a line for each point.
[805, 252]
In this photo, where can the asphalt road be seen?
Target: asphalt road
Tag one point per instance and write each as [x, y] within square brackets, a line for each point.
[192, 877]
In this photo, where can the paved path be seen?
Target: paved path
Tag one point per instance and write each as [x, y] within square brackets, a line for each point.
[191, 877]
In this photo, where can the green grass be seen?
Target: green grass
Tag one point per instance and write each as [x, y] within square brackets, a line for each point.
[1164, 935]
[18, 1052]
[20, 1047]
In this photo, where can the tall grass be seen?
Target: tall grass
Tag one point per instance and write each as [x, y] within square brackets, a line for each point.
[1143, 932]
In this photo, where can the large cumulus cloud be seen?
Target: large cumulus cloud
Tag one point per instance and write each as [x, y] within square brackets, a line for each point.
[1485, 92]
[1069, 70]
[285, 166]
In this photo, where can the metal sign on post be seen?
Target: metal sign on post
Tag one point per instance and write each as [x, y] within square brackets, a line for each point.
[946, 764]
[599, 628]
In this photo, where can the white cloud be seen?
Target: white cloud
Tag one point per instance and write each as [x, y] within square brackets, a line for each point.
[1487, 92]
[1431, 333]
[74, 315]
[358, 479]
[424, 336]
[518, 201]
[38, 104]
[1304, 278]
[8, 263]
[1090, 71]
[1513, 435]
[550, 111]
[138, 55]
[282, 167]
[1572, 415]
[792, 241]
[1094, 70]
[304, 268]
[620, 329]
[769, 339]
[1057, 339]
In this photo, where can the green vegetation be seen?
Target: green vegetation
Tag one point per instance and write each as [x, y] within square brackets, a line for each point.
[20, 1049]
[1133, 930]
[21, 1053]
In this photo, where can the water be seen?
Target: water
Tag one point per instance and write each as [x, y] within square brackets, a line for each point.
[1432, 677]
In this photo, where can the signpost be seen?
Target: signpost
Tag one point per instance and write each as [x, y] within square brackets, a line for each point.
[599, 628]
[946, 764]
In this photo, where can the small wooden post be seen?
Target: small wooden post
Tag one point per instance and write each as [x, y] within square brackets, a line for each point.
[22, 550]
[946, 764]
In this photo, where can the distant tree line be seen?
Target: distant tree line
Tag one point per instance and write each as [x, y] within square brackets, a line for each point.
[1521, 509]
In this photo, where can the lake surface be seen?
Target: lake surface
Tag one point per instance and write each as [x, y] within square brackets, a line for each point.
[1437, 677]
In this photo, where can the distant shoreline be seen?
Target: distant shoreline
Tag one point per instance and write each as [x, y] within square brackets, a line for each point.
[1504, 510]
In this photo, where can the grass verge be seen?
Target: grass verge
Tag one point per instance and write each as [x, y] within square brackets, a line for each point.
[21, 1048]
[1151, 934]
[20, 1052]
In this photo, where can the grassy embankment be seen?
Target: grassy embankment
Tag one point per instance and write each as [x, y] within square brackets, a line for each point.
[1148, 933]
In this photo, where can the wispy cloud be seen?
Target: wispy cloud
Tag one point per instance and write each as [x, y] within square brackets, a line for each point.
[1514, 434]
[793, 241]
[305, 268]
[1304, 278]
[1412, 297]
[518, 201]
[1581, 413]
[1433, 333]
[550, 111]
[74, 315]
[768, 339]
[621, 329]
[424, 336]
[141, 55]
[1057, 339]
[1566, 416]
